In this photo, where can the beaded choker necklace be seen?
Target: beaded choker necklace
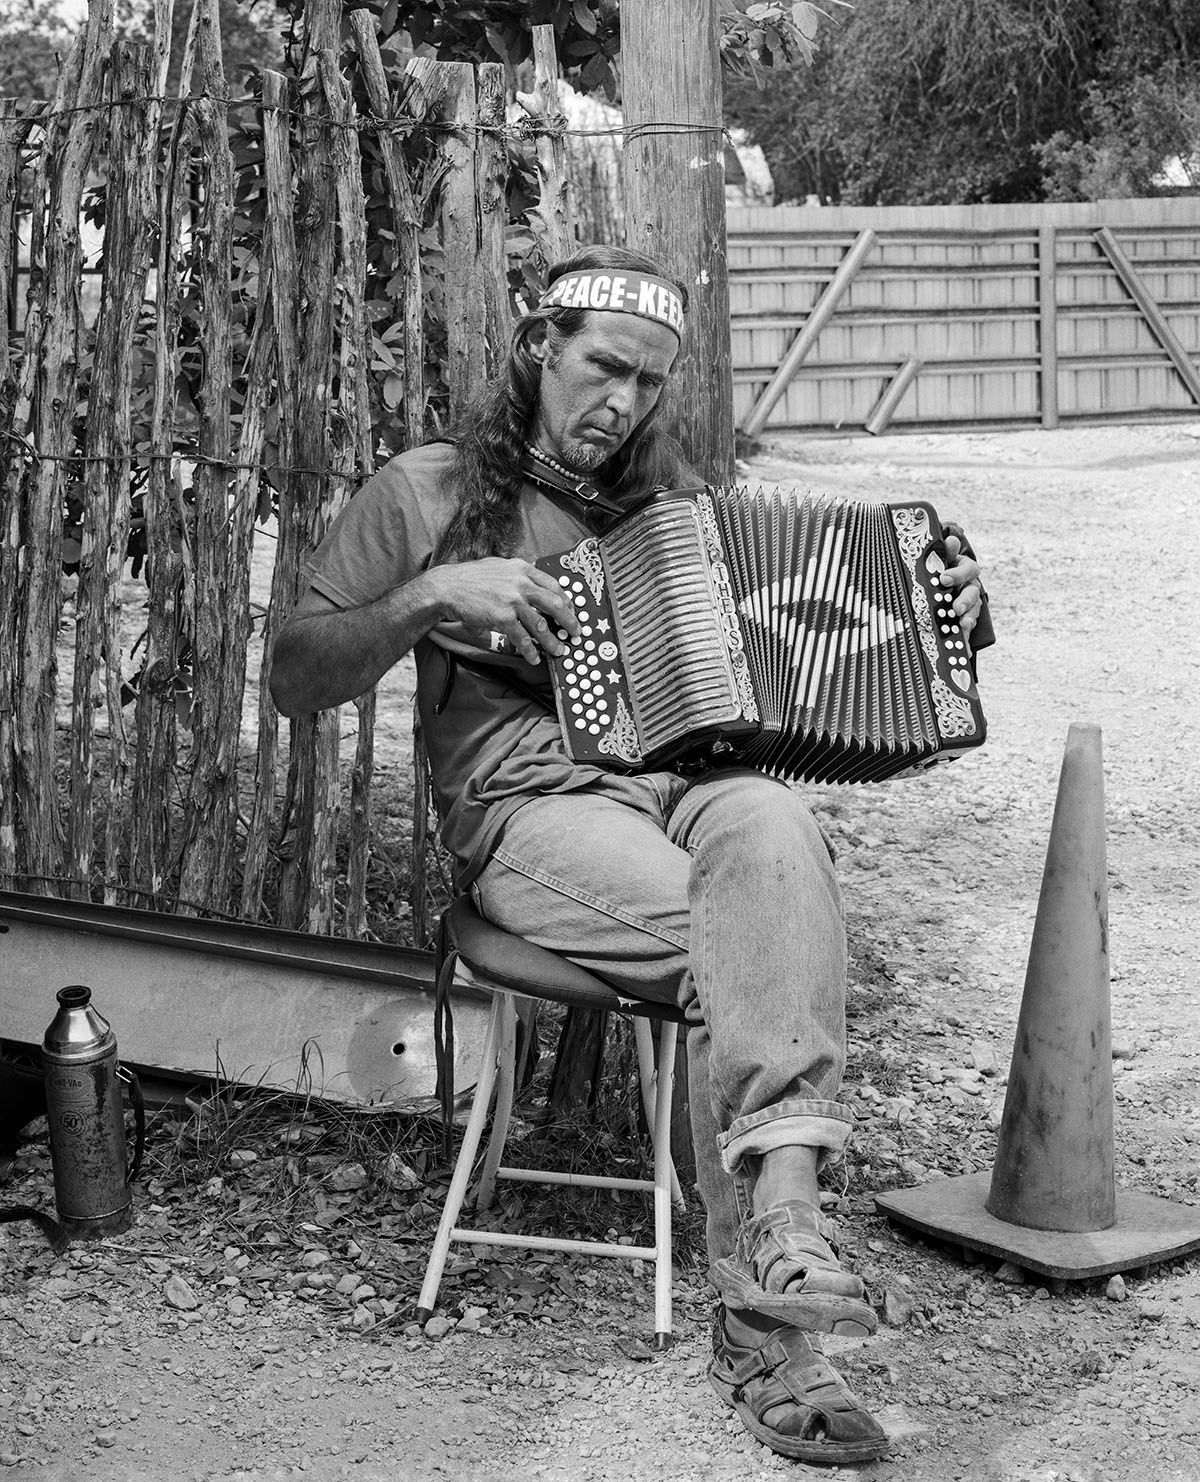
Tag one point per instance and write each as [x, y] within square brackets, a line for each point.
[541, 468]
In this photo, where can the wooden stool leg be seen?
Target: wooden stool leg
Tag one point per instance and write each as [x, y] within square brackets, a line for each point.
[505, 1087]
[664, 1183]
[472, 1134]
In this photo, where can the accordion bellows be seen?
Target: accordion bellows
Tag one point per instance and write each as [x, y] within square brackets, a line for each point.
[807, 636]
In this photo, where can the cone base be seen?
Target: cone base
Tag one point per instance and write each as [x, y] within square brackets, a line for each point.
[1148, 1229]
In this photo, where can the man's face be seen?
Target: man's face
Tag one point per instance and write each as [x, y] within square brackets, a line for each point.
[599, 386]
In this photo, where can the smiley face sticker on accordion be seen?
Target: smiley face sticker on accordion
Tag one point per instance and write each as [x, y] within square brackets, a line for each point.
[807, 636]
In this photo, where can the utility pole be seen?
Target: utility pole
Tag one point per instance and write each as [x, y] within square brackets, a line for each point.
[675, 204]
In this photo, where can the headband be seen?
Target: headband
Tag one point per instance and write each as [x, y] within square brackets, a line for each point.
[624, 293]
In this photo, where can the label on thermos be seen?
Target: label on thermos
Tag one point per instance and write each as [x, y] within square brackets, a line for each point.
[87, 1139]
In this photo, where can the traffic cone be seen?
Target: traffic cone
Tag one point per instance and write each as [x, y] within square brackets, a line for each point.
[1054, 1160]
[1051, 1204]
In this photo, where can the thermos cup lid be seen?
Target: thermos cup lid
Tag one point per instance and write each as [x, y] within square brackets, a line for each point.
[77, 1029]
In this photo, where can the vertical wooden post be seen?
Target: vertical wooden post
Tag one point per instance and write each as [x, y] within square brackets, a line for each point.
[406, 218]
[14, 130]
[210, 799]
[478, 318]
[1048, 322]
[128, 231]
[450, 87]
[352, 446]
[155, 728]
[279, 289]
[43, 411]
[491, 181]
[260, 399]
[675, 204]
[412, 102]
[424, 841]
[306, 898]
[542, 105]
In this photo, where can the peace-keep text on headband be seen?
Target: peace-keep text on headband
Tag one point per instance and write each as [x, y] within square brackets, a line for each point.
[629, 293]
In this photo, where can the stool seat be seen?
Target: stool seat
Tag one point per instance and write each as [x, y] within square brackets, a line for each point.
[512, 962]
[484, 958]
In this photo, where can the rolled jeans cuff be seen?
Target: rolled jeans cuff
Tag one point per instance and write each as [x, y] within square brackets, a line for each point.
[825, 1125]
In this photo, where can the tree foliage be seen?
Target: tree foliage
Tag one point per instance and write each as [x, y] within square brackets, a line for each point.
[587, 33]
[35, 36]
[918, 101]
[754, 35]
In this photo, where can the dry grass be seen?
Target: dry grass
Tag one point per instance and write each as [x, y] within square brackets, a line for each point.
[255, 1161]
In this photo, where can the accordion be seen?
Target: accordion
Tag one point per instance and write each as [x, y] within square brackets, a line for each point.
[805, 636]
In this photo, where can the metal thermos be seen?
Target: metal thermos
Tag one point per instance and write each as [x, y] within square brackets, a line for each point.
[85, 1111]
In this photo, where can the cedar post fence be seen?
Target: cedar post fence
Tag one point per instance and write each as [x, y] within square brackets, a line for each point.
[256, 344]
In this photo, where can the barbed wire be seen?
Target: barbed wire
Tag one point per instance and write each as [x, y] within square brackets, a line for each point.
[521, 130]
[35, 455]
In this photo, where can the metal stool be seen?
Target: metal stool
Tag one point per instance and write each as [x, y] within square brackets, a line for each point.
[508, 967]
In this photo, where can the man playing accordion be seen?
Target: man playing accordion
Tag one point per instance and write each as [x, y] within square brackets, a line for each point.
[713, 889]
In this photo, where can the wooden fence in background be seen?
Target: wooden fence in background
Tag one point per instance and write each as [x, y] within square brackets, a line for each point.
[241, 362]
[943, 316]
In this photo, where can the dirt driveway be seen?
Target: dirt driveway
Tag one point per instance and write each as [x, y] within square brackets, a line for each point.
[203, 1344]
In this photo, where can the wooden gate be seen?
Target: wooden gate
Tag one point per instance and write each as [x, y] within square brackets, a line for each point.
[940, 316]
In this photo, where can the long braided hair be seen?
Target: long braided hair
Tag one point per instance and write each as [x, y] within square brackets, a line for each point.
[486, 472]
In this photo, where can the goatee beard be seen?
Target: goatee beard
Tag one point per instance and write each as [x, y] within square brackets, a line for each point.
[583, 457]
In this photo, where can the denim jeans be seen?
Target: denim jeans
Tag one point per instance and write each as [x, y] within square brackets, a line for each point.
[717, 893]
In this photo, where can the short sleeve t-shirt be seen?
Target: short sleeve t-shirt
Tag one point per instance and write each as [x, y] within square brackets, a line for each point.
[491, 746]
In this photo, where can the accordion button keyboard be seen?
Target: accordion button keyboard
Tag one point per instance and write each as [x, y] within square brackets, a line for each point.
[587, 687]
[591, 688]
[955, 647]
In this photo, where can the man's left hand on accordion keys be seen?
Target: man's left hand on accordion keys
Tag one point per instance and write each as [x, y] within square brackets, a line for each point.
[963, 575]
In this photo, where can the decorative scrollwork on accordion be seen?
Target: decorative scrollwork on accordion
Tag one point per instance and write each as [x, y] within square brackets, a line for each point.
[731, 628]
[924, 620]
[620, 740]
[584, 561]
[954, 716]
[913, 536]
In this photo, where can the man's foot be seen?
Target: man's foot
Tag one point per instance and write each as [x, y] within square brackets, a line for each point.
[784, 1268]
[787, 1394]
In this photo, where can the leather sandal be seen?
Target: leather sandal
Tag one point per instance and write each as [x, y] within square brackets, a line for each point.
[789, 1397]
[782, 1267]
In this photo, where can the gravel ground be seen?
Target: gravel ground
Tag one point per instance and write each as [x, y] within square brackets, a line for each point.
[222, 1338]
